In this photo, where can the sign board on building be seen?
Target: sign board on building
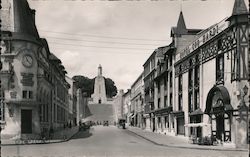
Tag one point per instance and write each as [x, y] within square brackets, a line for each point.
[203, 38]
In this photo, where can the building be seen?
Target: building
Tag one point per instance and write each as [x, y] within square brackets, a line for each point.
[70, 101]
[118, 105]
[197, 86]
[32, 79]
[212, 78]
[137, 103]
[126, 105]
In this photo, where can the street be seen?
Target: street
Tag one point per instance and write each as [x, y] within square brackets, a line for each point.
[109, 141]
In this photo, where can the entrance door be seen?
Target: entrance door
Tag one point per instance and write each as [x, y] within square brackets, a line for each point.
[180, 126]
[220, 129]
[153, 124]
[26, 121]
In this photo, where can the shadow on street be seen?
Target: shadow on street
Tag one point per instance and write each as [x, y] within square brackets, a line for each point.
[82, 134]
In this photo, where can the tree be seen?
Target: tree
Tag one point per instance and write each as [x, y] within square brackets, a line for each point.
[111, 89]
[87, 85]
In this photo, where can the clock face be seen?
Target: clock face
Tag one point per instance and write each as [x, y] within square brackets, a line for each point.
[27, 60]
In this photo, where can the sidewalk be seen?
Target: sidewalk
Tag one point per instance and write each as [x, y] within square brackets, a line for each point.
[59, 136]
[176, 141]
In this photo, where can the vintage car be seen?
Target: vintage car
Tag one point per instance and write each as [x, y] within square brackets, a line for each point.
[121, 123]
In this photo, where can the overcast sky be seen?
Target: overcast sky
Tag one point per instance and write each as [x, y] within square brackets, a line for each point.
[118, 35]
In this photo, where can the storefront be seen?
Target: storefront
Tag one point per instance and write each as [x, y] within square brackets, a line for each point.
[220, 111]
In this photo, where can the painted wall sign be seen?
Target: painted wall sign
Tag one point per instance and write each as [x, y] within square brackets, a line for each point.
[204, 37]
[27, 79]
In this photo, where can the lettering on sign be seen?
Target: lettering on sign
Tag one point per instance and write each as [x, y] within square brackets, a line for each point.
[27, 79]
[205, 37]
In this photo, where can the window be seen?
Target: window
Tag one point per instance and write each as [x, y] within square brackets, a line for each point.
[220, 68]
[180, 102]
[170, 80]
[30, 95]
[197, 75]
[180, 83]
[171, 100]
[25, 94]
[190, 78]
[159, 87]
[190, 101]
[196, 99]
[170, 60]
[165, 101]
[159, 103]
[165, 83]
[180, 93]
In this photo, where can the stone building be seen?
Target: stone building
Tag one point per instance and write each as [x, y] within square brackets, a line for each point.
[32, 78]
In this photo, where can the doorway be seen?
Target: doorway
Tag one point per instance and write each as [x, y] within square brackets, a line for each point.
[26, 121]
[220, 129]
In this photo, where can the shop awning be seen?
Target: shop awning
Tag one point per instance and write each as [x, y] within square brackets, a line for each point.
[197, 125]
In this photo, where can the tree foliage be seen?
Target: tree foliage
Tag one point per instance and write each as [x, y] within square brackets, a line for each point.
[87, 85]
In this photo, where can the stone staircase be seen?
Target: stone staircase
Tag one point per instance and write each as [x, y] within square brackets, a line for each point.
[101, 112]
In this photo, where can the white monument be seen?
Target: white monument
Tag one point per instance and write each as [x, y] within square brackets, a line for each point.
[99, 95]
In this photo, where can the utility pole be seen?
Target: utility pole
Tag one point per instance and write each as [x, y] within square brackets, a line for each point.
[1, 101]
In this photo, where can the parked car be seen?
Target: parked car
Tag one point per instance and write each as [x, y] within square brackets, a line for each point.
[121, 123]
[105, 123]
[84, 125]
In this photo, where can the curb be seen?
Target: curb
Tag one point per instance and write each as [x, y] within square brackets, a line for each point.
[186, 147]
[59, 141]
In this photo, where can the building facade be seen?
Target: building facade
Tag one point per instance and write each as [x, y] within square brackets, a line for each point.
[213, 76]
[32, 79]
[198, 85]
[137, 103]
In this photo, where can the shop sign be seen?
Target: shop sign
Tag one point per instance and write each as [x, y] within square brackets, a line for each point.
[204, 37]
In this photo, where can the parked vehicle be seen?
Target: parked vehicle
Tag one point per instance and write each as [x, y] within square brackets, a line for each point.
[84, 125]
[121, 123]
[105, 123]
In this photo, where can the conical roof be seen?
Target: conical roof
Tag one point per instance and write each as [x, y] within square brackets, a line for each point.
[239, 7]
[181, 26]
[24, 18]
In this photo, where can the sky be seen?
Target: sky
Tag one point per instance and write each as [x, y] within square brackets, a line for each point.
[119, 35]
